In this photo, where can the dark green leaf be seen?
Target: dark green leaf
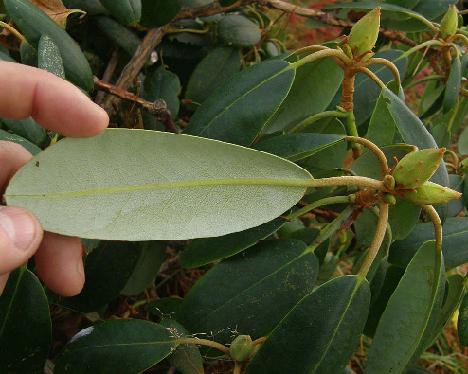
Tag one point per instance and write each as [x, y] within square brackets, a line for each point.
[237, 30]
[320, 334]
[463, 322]
[28, 129]
[452, 87]
[229, 114]
[400, 334]
[117, 347]
[252, 291]
[296, 147]
[203, 251]
[127, 12]
[157, 13]
[162, 84]
[312, 92]
[403, 218]
[212, 72]
[382, 125]
[152, 255]
[107, 270]
[455, 236]
[118, 34]
[25, 327]
[32, 148]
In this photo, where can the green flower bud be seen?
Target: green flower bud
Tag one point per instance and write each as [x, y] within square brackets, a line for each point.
[449, 24]
[241, 348]
[390, 199]
[389, 182]
[432, 194]
[417, 167]
[364, 33]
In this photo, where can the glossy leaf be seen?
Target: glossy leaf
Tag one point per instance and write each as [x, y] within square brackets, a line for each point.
[400, 335]
[28, 129]
[382, 125]
[25, 327]
[163, 84]
[212, 72]
[49, 57]
[463, 322]
[120, 346]
[107, 270]
[32, 148]
[452, 89]
[229, 114]
[455, 236]
[127, 12]
[151, 257]
[321, 81]
[204, 251]
[320, 333]
[251, 292]
[103, 189]
[237, 30]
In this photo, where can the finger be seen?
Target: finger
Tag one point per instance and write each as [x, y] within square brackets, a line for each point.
[59, 263]
[53, 102]
[20, 236]
[3, 282]
[12, 157]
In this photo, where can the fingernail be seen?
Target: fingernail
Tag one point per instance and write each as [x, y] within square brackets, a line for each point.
[19, 227]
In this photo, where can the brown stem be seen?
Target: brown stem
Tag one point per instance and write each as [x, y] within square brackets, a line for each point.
[348, 89]
[108, 73]
[158, 108]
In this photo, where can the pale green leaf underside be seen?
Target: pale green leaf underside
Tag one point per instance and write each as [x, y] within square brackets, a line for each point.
[147, 185]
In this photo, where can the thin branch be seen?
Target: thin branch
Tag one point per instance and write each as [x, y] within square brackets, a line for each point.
[372, 76]
[158, 108]
[390, 65]
[108, 73]
[377, 241]
[325, 201]
[203, 342]
[432, 213]
[374, 149]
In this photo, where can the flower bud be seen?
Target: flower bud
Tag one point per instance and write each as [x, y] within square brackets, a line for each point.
[417, 167]
[432, 194]
[390, 199]
[364, 33]
[449, 24]
[241, 348]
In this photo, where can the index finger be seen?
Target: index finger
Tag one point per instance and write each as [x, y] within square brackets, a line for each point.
[53, 102]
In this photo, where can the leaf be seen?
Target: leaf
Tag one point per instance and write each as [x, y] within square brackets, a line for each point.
[237, 30]
[212, 72]
[251, 292]
[55, 10]
[121, 346]
[186, 359]
[30, 147]
[107, 270]
[25, 327]
[382, 125]
[295, 147]
[156, 13]
[463, 142]
[28, 129]
[452, 87]
[204, 251]
[146, 185]
[229, 114]
[147, 267]
[403, 218]
[463, 322]
[455, 236]
[312, 92]
[406, 319]
[127, 12]
[320, 334]
[163, 84]
[118, 34]
[49, 57]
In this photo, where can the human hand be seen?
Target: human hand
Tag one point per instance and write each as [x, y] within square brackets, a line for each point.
[61, 107]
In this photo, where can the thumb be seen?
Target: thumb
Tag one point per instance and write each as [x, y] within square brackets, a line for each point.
[20, 236]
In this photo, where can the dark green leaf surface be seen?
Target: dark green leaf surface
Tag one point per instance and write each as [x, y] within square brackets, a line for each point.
[463, 322]
[212, 72]
[203, 251]
[229, 114]
[162, 84]
[400, 334]
[382, 125]
[34, 23]
[455, 236]
[116, 347]
[403, 218]
[107, 270]
[296, 147]
[32, 148]
[320, 334]
[452, 88]
[312, 92]
[25, 327]
[157, 13]
[28, 129]
[252, 291]
[237, 30]
[118, 34]
[152, 255]
[127, 12]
